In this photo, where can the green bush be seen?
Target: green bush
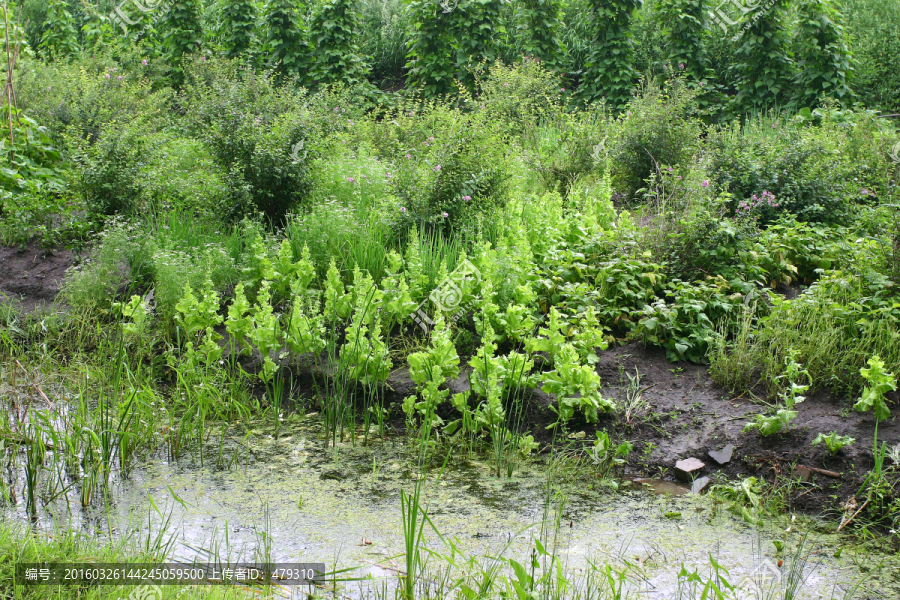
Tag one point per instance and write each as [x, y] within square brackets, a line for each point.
[448, 163]
[566, 147]
[874, 28]
[110, 181]
[522, 95]
[815, 173]
[78, 101]
[658, 127]
[261, 135]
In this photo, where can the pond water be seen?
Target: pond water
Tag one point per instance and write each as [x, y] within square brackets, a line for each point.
[341, 506]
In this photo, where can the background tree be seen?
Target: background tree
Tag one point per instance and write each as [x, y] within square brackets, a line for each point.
[336, 53]
[764, 61]
[824, 58]
[477, 25]
[430, 60]
[237, 24]
[60, 36]
[182, 33]
[539, 31]
[683, 23]
[608, 71]
[286, 42]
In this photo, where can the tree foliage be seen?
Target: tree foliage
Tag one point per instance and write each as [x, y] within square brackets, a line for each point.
[609, 72]
[236, 29]
[286, 43]
[823, 55]
[335, 30]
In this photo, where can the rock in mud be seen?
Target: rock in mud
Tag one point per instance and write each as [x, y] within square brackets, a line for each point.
[722, 456]
[699, 485]
[685, 469]
[802, 473]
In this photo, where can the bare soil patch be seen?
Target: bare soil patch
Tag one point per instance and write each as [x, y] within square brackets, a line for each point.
[32, 277]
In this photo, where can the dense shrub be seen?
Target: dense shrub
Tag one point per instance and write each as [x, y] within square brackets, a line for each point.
[448, 163]
[110, 173]
[765, 64]
[823, 54]
[78, 102]
[539, 31]
[567, 147]
[874, 28]
[809, 169]
[658, 127]
[182, 33]
[60, 38]
[522, 95]
[261, 135]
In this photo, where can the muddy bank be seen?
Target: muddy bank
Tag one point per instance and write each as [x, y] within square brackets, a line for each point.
[33, 276]
[689, 416]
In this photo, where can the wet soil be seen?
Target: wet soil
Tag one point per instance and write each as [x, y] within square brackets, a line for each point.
[33, 276]
[689, 416]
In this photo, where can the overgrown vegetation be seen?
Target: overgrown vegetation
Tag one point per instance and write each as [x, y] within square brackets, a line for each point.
[263, 208]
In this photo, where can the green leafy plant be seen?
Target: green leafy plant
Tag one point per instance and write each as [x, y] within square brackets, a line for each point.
[431, 63]
[193, 315]
[60, 37]
[833, 441]
[576, 386]
[236, 27]
[182, 33]
[336, 55]
[266, 333]
[824, 59]
[286, 45]
[880, 382]
[538, 31]
[239, 323]
[429, 370]
[609, 73]
[683, 23]
[607, 455]
[797, 381]
[766, 66]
